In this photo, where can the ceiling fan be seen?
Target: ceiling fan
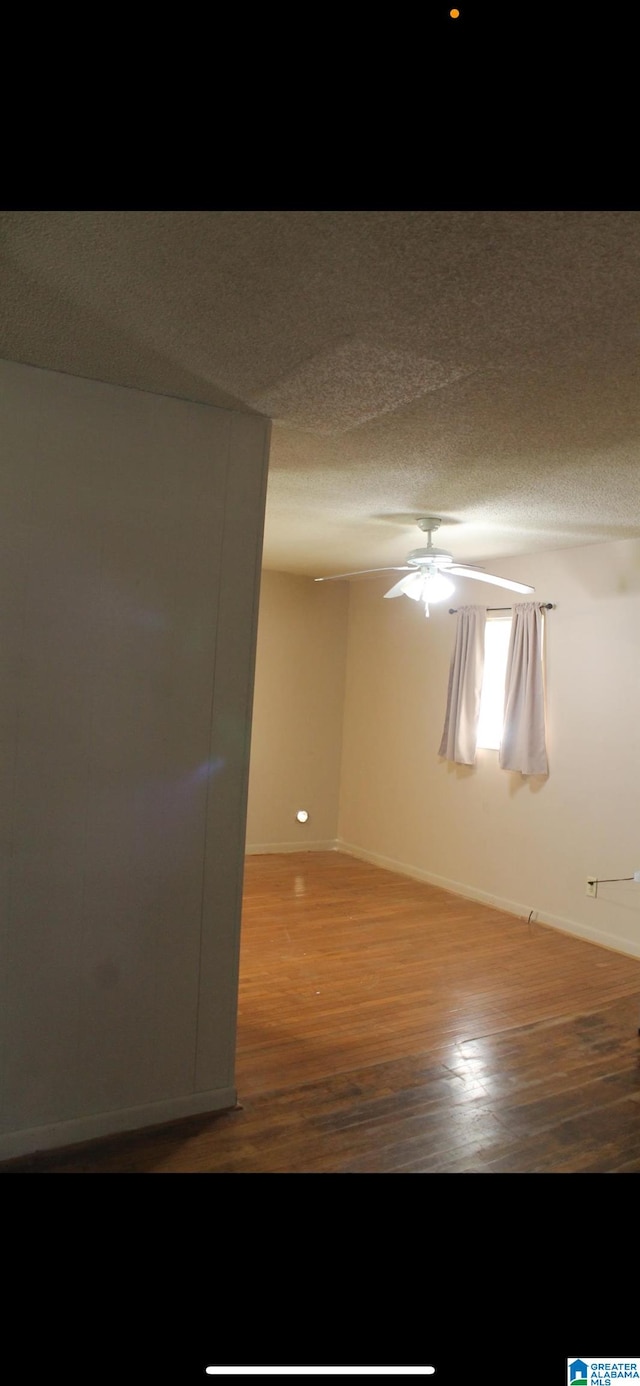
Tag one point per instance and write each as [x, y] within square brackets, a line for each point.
[429, 570]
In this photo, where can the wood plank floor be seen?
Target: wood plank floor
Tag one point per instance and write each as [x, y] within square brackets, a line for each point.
[386, 1026]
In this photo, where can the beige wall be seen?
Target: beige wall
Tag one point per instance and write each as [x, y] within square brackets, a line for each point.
[297, 716]
[130, 543]
[518, 843]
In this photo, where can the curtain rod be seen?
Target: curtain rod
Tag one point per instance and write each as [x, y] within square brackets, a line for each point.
[544, 606]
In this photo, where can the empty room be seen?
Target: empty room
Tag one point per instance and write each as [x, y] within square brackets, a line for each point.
[320, 838]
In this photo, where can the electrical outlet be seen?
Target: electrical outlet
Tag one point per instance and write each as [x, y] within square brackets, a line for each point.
[592, 888]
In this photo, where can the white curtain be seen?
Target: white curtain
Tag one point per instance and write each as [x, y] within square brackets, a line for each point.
[523, 737]
[465, 686]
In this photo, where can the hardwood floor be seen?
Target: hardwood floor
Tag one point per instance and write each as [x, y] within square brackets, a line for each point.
[386, 1026]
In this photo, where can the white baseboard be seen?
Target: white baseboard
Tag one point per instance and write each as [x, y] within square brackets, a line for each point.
[62, 1133]
[258, 849]
[566, 926]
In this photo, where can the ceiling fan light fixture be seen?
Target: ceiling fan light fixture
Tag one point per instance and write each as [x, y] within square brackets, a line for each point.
[413, 587]
[436, 588]
[407, 587]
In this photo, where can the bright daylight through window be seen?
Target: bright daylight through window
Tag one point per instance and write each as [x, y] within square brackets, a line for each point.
[496, 645]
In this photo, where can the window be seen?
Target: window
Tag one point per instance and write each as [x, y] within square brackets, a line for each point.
[496, 646]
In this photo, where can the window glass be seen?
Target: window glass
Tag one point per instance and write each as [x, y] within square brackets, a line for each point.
[496, 645]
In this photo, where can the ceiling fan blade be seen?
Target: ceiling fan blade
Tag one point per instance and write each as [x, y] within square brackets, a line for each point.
[468, 567]
[364, 572]
[491, 578]
[408, 587]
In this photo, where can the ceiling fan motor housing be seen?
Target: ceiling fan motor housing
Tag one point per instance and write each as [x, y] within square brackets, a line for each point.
[438, 557]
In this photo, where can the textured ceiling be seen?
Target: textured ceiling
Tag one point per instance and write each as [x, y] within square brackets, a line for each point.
[477, 365]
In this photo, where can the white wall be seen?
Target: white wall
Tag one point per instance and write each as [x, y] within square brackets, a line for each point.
[131, 532]
[296, 739]
[519, 843]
